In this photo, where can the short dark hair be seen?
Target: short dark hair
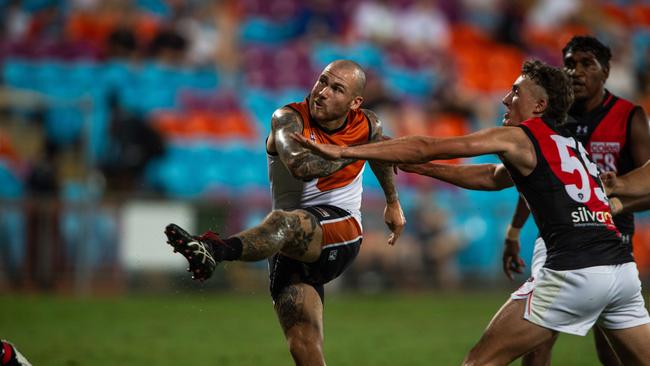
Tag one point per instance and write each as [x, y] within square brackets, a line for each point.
[557, 85]
[589, 44]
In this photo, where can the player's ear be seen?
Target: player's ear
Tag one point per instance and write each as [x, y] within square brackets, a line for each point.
[356, 102]
[540, 106]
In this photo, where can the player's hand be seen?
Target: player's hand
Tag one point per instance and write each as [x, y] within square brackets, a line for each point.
[330, 152]
[395, 220]
[610, 182]
[512, 262]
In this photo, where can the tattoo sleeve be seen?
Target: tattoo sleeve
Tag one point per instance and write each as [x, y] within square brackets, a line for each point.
[302, 163]
[383, 171]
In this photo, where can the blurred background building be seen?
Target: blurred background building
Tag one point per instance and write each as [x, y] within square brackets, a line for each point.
[120, 116]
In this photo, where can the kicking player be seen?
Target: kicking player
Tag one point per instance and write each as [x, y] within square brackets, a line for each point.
[314, 231]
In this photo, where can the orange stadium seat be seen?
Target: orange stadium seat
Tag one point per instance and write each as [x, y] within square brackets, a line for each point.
[448, 125]
[617, 13]
[504, 63]
[167, 123]
[640, 14]
[89, 27]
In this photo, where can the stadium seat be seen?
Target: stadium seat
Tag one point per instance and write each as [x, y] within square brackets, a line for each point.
[64, 124]
[11, 187]
[19, 73]
[263, 30]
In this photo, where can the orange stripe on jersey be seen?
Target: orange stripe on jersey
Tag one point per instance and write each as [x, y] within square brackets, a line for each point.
[341, 231]
[355, 131]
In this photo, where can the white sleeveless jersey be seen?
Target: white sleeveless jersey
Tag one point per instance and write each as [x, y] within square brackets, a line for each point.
[342, 188]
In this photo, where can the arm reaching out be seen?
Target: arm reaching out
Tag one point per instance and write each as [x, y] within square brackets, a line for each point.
[481, 177]
[509, 143]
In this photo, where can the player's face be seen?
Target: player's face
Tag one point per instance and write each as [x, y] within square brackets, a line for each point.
[588, 76]
[333, 95]
[520, 102]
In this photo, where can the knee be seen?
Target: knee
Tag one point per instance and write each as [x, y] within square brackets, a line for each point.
[276, 217]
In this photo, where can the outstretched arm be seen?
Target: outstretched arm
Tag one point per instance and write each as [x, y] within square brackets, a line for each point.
[301, 162]
[481, 177]
[509, 142]
[393, 215]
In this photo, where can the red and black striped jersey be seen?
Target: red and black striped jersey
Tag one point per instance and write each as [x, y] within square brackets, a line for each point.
[568, 202]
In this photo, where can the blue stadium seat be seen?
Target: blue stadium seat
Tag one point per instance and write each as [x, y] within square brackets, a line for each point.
[64, 125]
[267, 31]
[261, 104]
[11, 187]
[20, 74]
[13, 235]
[413, 83]
[158, 7]
[365, 54]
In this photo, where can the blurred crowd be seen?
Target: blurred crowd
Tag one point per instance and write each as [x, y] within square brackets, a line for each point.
[131, 97]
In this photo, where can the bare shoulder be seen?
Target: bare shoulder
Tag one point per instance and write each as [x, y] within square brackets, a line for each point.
[286, 117]
[640, 118]
[375, 123]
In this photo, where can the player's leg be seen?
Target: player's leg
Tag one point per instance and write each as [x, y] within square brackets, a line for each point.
[625, 320]
[296, 234]
[540, 356]
[507, 337]
[300, 312]
[632, 345]
[297, 287]
[606, 354]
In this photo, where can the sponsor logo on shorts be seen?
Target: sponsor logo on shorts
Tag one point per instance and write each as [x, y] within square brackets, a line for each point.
[332, 255]
[584, 217]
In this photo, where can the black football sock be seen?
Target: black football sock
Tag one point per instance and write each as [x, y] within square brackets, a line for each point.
[232, 249]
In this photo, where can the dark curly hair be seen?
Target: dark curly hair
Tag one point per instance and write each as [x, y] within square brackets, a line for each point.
[556, 84]
[589, 44]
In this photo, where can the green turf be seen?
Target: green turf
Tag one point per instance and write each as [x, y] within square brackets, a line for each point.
[241, 330]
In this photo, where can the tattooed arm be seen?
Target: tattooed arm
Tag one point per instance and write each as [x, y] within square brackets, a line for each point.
[301, 162]
[393, 215]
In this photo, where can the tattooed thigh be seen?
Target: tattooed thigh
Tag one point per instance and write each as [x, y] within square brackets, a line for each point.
[304, 236]
[289, 306]
[295, 306]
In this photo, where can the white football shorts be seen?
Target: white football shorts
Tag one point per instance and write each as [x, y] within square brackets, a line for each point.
[573, 301]
[537, 262]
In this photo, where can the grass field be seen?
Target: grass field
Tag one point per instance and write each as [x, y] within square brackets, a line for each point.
[201, 329]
